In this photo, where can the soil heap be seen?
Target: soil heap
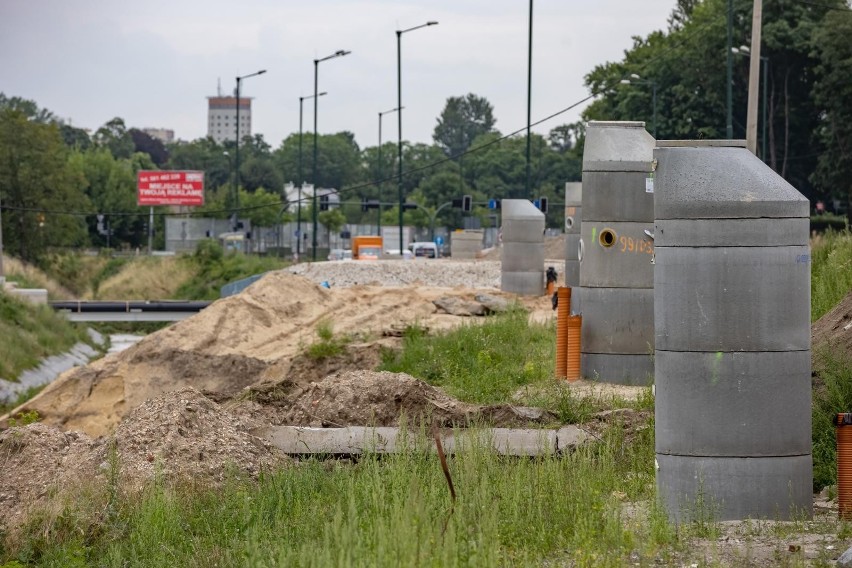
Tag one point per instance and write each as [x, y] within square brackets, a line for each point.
[834, 329]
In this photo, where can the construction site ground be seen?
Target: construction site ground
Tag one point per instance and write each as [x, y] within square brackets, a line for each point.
[188, 401]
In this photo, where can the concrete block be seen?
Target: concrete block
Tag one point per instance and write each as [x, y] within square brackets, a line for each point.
[572, 273]
[523, 283]
[618, 369]
[616, 141]
[522, 257]
[573, 194]
[733, 488]
[731, 232]
[616, 255]
[616, 320]
[573, 219]
[703, 182]
[617, 196]
[733, 404]
[732, 299]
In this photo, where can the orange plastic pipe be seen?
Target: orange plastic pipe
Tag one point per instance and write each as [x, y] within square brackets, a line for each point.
[844, 465]
[563, 311]
[572, 351]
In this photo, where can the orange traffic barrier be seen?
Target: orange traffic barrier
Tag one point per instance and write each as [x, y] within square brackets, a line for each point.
[572, 351]
[563, 311]
[844, 465]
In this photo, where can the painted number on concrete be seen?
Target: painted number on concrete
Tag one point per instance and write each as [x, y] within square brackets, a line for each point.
[638, 246]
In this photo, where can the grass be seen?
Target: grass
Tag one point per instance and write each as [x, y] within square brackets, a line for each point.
[28, 276]
[143, 278]
[31, 333]
[832, 394]
[328, 345]
[831, 271]
[480, 363]
[378, 512]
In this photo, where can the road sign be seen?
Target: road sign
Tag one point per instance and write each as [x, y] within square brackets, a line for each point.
[439, 241]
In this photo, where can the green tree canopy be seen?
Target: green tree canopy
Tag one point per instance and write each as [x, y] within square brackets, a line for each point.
[462, 121]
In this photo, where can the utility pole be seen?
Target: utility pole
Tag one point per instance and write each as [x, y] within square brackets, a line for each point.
[754, 78]
[2, 273]
[529, 99]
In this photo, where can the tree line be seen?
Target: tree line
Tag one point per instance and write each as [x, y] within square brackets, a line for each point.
[61, 186]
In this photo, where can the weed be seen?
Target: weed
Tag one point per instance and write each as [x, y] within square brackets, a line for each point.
[831, 270]
[832, 393]
[24, 418]
[328, 345]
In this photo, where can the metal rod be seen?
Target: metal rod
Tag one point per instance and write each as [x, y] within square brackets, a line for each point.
[529, 99]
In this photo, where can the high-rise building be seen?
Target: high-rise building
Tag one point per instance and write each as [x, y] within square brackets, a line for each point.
[222, 118]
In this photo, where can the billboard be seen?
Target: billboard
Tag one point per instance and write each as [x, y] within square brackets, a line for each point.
[170, 188]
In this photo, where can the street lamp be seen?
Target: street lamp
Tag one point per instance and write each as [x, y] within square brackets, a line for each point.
[338, 53]
[299, 205]
[379, 169]
[634, 78]
[745, 51]
[237, 158]
[399, 116]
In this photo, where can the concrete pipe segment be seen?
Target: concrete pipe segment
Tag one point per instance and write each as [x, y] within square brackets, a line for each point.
[573, 215]
[615, 293]
[732, 335]
[523, 248]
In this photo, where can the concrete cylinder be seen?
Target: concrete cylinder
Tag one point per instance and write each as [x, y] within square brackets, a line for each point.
[732, 335]
[615, 294]
[573, 216]
[522, 269]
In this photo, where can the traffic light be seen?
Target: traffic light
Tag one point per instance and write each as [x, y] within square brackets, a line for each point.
[323, 202]
[467, 203]
[364, 204]
[542, 204]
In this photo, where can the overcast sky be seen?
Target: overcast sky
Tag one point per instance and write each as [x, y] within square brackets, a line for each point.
[154, 62]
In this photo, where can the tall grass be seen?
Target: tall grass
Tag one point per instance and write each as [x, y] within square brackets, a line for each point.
[29, 276]
[30, 333]
[831, 271]
[380, 512]
[143, 278]
[481, 363]
[832, 393]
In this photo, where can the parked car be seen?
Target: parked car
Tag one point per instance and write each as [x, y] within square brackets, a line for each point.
[340, 254]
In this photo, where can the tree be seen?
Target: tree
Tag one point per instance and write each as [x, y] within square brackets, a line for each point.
[28, 108]
[114, 136]
[338, 160]
[143, 142]
[38, 190]
[462, 121]
[333, 219]
[832, 93]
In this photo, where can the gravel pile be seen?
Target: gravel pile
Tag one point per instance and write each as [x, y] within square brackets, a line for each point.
[440, 272]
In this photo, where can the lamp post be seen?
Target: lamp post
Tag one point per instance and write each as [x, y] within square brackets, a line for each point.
[399, 116]
[237, 158]
[745, 51]
[379, 169]
[529, 98]
[634, 78]
[338, 53]
[301, 178]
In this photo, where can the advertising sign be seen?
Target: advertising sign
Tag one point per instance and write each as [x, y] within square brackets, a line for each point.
[170, 188]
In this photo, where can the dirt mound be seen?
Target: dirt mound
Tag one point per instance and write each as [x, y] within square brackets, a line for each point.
[179, 437]
[185, 435]
[237, 341]
[371, 398]
[834, 329]
[36, 460]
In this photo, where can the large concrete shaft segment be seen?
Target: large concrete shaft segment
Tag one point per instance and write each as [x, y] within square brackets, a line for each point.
[523, 248]
[615, 294]
[732, 335]
[573, 215]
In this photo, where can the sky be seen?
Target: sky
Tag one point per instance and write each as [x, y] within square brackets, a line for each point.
[154, 62]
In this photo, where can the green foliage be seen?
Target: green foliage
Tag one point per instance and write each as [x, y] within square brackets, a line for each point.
[481, 363]
[34, 176]
[213, 269]
[338, 159]
[383, 512]
[31, 333]
[462, 121]
[832, 393]
[328, 345]
[24, 418]
[831, 271]
[832, 92]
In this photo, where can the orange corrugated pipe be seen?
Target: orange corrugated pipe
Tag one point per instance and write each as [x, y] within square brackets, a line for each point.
[563, 311]
[572, 351]
[844, 465]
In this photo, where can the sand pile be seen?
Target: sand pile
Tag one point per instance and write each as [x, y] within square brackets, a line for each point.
[236, 342]
[178, 437]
